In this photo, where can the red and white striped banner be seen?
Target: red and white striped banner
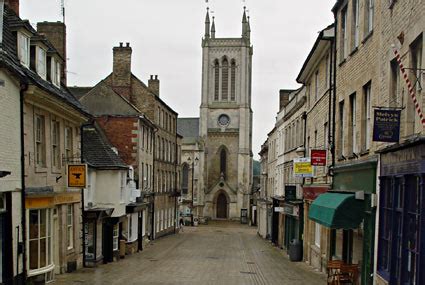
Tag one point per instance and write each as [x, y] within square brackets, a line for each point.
[409, 86]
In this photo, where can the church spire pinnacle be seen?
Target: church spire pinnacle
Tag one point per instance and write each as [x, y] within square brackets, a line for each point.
[207, 24]
[213, 28]
[245, 24]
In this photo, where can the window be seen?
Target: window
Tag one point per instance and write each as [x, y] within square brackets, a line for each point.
[68, 143]
[40, 238]
[115, 236]
[223, 162]
[317, 234]
[395, 85]
[123, 184]
[24, 49]
[58, 73]
[370, 6]
[70, 226]
[328, 63]
[225, 80]
[341, 128]
[56, 163]
[233, 81]
[366, 116]
[416, 50]
[353, 123]
[325, 135]
[343, 39]
[355, 23]
[40, 141]
[41, 62]
[54, 75]
[216, 80]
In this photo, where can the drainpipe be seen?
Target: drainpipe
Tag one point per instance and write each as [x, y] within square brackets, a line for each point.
[334, 96]
[153, 187]
[24, 87]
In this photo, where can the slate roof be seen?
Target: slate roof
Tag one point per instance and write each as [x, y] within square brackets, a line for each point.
[10, 60]
[78, 91]
[97, 151]
[188, 127]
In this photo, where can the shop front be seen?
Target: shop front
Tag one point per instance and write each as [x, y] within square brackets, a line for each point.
[316, 237]
[401, 238]
[293, 222]
[93, 235]
[348, 211]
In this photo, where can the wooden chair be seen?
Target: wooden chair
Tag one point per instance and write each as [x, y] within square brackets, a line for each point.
[333, 270]
[349, 274]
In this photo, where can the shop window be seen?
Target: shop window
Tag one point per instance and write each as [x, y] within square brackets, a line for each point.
[70, 226]
[115, 237]
[40, 239]
[317, 234]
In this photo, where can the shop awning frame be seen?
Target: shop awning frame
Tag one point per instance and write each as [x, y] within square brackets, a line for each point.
[337, 210]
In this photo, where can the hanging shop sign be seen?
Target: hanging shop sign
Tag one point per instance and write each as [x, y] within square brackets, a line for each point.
[291, 210]
[318, 157]
[386, 125]
[290, 192]
[302, 167]
[77, 175]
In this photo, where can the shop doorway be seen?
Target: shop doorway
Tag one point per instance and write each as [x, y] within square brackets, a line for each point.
[222, 206]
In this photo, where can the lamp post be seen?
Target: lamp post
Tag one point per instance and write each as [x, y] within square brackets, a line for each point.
[192, 163]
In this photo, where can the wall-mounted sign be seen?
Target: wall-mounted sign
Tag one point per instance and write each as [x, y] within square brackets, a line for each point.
[318, 157]
[290, 192]
[302, 167]
[386, 125]
[77, 175]
[278, 209]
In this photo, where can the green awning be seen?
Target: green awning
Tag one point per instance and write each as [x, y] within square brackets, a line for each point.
[337, 211]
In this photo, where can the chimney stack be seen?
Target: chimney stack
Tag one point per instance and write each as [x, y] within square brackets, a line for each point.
[283, 98]
[121, 74]
[153, 85]
[14, 5]
[55, 32]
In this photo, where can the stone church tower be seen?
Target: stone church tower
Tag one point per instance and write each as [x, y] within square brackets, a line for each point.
[225, 124]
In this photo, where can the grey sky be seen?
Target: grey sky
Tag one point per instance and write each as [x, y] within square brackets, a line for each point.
[166, 39]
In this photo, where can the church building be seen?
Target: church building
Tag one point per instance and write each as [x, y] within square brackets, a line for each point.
[217, 146]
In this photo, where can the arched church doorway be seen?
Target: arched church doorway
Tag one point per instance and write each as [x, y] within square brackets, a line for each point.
[221, 206]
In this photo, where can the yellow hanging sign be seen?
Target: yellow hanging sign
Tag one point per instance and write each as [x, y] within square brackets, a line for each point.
[77, 175]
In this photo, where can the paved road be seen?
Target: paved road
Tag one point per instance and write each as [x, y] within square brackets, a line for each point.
[220, 253]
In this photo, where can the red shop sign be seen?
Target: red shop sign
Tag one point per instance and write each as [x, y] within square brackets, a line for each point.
[318, 157]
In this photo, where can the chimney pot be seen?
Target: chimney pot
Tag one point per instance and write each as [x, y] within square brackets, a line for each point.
[127, 44]
[121, 44]
[156, 77]
[151, 77]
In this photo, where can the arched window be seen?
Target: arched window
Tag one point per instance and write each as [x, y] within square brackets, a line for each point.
[223, 162]
[233, 81]
[216, 80]
[185, 179]
[225, 80]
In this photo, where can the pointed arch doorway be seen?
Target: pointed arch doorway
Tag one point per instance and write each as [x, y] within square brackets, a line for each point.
[222, 206]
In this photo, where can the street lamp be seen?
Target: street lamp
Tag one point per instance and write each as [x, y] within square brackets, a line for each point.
[189, 160]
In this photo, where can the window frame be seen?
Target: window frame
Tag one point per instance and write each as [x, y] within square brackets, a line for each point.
[55, 143]
[70, 226]
[24, 53]
[40, 140]
[41, 62]
[49, 263]
[115, 237]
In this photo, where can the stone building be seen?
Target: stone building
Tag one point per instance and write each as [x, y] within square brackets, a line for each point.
[402, 168]
[316, 74]
[225, 125]
[264, 199]
[51, 127]
[154, 155]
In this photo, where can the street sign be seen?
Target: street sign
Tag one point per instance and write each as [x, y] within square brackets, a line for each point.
[318, 157]
[302, 167]
[386, 125]
[77, 175]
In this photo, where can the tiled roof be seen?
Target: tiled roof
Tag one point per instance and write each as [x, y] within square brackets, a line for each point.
[9, 59]
[79, 92]
[97, 151]
[188, 127]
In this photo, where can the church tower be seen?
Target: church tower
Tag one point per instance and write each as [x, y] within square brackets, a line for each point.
[225, 126]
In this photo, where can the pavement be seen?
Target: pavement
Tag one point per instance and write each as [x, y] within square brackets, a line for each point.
[218, 253]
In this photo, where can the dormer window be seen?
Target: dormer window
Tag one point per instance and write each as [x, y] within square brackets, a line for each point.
[24, 49]
[41, 62]
[54, 71]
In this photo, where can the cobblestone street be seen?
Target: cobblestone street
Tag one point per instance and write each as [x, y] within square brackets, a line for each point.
[220, 253]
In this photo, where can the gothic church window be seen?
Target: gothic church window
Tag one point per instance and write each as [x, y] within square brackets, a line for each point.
[185, 179]
[233, 80]
[225, 80]
[223, 162]
[216, 80]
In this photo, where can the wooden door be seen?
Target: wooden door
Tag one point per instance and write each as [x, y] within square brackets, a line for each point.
[221, 206]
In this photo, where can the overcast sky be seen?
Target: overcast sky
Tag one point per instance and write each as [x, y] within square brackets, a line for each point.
[166, 39]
